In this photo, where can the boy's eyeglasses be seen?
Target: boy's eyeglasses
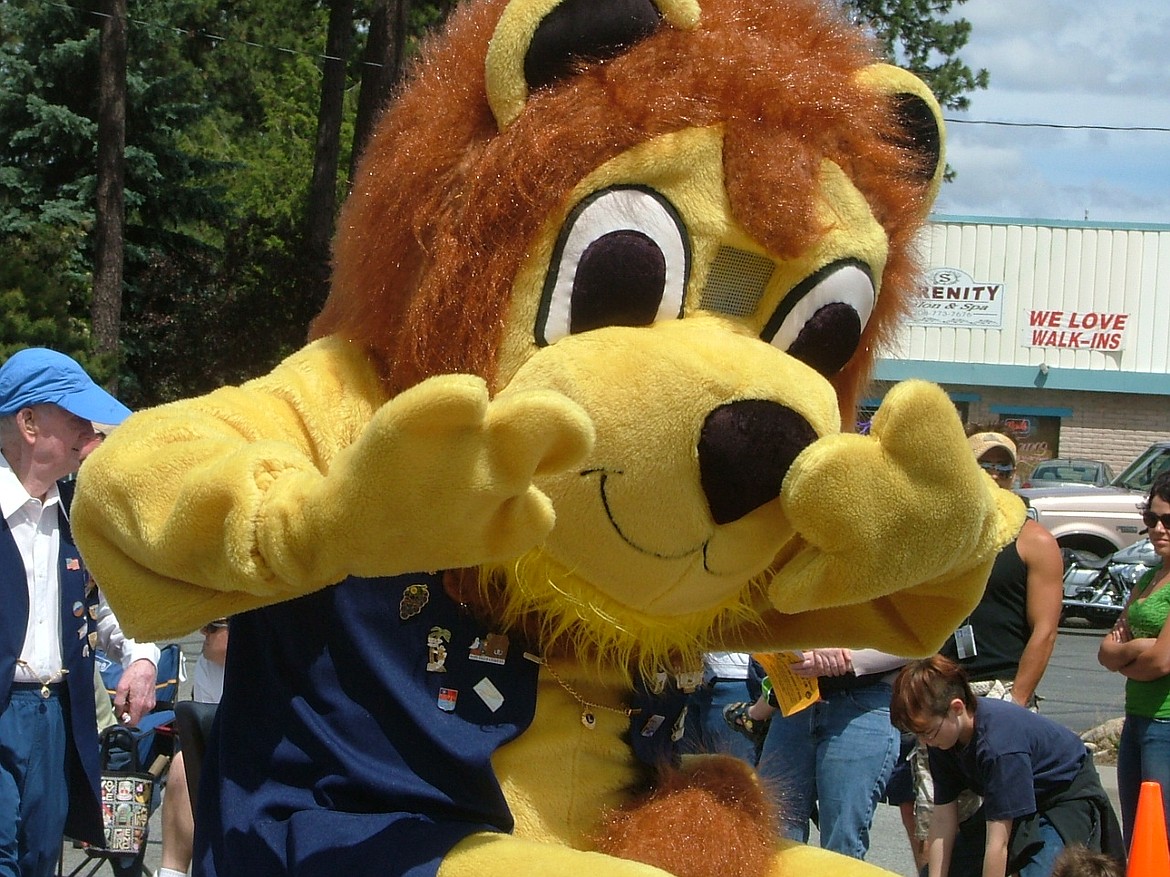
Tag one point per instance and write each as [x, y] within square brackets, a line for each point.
[930, 737]
[1151, 521]
[998, 468]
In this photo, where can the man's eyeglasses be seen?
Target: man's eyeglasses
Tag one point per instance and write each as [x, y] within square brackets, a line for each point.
[1151, 520]
[998, 468]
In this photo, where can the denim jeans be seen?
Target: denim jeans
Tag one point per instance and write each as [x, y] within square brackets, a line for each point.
[971, 841]
[34, 788]
[1041, 863]
[1143, 753]
[836, 755]
[707, 731]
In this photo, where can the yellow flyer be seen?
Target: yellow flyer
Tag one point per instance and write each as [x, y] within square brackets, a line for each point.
[793, 693]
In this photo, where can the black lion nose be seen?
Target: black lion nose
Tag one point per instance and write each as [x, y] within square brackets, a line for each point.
[745, 450]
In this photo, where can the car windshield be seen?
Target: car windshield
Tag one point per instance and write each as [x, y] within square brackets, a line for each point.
[1069, 471]
[1140, 474]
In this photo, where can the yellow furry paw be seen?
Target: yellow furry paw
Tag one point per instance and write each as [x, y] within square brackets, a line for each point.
[904, 505]
[441, 473]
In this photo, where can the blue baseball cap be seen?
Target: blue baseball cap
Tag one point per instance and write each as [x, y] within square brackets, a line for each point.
[37, 375]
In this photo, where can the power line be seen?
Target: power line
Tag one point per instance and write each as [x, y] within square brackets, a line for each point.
[207, 35]
[1003, 124]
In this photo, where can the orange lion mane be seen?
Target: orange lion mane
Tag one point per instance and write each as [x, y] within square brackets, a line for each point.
[424, 266]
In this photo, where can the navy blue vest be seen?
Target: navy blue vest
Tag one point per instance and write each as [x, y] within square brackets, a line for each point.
[84, 821]
[356, 732]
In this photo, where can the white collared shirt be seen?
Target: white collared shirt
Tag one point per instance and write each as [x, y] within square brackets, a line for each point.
[34, 528]
[116, 644]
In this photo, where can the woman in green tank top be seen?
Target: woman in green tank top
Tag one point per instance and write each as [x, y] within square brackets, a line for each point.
[1138, 647]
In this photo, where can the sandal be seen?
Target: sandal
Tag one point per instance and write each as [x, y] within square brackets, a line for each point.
[737, 718]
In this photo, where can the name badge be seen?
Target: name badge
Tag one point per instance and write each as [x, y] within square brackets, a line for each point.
[965, 642]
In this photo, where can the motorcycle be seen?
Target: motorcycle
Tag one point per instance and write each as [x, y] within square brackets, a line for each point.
[1096, 588]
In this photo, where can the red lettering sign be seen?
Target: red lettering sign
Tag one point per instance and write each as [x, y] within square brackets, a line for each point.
[1045, 318]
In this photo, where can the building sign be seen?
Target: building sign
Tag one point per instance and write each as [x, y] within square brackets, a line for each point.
[950, 297]
[1037, 438]
[1075, 330]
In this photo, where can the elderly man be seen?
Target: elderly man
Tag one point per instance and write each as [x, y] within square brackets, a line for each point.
[48, 725]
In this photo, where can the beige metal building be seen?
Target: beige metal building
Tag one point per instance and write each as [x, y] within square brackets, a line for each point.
[1059, 331]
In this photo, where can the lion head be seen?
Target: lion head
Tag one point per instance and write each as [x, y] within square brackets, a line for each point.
[695, 219]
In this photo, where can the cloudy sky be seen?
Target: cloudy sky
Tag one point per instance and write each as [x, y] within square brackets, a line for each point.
[1064, 62]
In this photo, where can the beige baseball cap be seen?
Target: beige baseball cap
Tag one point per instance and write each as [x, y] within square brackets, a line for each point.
[982, 442]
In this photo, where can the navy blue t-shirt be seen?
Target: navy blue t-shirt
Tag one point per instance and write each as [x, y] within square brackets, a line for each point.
[1015, 759]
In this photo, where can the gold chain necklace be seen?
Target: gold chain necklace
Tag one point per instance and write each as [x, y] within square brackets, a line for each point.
[45, 681]
[588, 707]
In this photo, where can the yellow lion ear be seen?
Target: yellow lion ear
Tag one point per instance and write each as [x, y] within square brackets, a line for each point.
[538, 42]
[920, 123]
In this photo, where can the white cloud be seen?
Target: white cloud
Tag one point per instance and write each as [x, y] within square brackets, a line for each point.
[1070, 62]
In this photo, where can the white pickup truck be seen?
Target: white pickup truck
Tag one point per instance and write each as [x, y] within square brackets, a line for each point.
[1099, 520]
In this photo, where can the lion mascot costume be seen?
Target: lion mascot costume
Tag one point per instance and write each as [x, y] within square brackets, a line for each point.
[579, 407]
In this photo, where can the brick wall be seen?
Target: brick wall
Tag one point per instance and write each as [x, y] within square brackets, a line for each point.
[1114, 427]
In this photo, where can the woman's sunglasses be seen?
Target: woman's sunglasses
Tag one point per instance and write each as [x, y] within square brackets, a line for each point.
[1151, 521]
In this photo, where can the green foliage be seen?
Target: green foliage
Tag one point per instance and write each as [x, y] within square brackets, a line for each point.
[922, 36]
[258, 63]
[221, 121]
[424, 17]
[222, 100]
[207, 317]
[229, 306]
[36, 300]
[48, 111]
[47, 170]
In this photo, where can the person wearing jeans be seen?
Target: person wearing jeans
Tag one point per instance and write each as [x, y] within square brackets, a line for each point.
[1040, 789]
[49, 770]
[836, 755]
[725, 681]
[1143, 755]
[1138, 647]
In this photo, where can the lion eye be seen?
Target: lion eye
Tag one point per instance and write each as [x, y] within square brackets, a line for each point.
[622, 259]
[820, 322]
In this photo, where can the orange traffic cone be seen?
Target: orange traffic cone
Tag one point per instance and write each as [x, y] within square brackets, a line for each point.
[1149, 853]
